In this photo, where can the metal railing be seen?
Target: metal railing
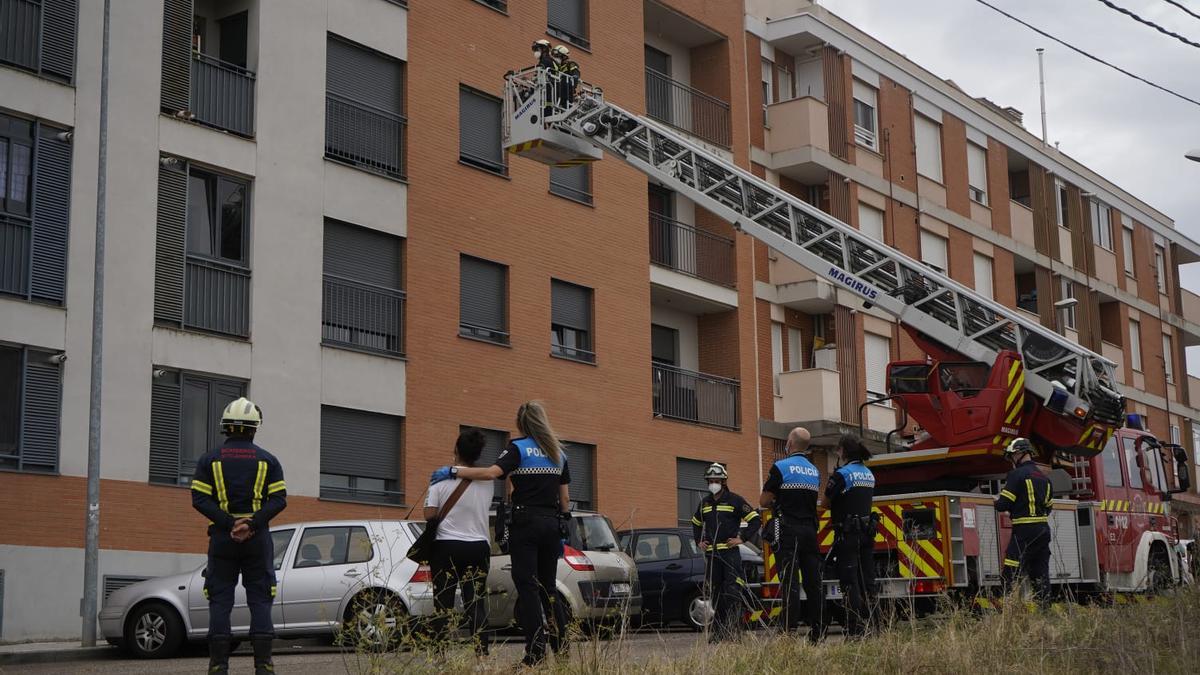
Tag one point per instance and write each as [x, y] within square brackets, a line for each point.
[20, 32]
[365, 136]
[688, 109]
[485, 333]
[573, 353]
[222, 95]
[695, 397]
[692, 251]
[216, 297]
[362, 316]
[15, 236]
[354, 494]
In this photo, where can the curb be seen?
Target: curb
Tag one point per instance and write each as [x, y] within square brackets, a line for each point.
[57, 655]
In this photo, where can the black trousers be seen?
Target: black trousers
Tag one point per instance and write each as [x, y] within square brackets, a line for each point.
[799, 560]
[535, 548]
[253, 560]
[461, 564]
[726, 589]
[1028, 552]
[855, 552]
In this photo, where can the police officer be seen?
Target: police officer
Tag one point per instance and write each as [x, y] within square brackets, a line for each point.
[717, 529]
[849, 493]
[239, 487]
[792, 487]
[537, 466]
[1026, 497]
[567, 72]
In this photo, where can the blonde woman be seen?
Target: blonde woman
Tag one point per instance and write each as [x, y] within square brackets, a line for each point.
[537, 467]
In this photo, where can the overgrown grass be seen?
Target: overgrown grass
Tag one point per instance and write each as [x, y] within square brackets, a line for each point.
[1157, 636]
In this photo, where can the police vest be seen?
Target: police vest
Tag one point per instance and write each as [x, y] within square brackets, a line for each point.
[534, 461]
[798, 474]
[856, 475]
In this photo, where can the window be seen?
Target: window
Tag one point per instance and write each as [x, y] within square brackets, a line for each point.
[279, 543]
[795, 361]
[664, 345]
[498, 5]
[571, 321]
[30, 404]
[322, 546]
[929, 148]
[870, 221]
[365, 123]
[360, 455]
[1160, 268]
[1135, 345]
[983, 276]
[568, 19]
[1060, 204]
[1154, 467]
[1168, 359]
[1101, 225]
[1133, 471]
[216, 217]
[1067, 290]
[690, 487]
[977, 173]
[1112, 464]
[479, 131]
[483, 300]
[572, 182]
[39, 37]
[768, 78]
[878, 354]
[581, 460]
[786, 80]
[494, 443]
[657, 546]
[776, 353]
[1127, 248]
[35, 197]
[185, 422]
[865, 121]
[933, 251]
[363, 303]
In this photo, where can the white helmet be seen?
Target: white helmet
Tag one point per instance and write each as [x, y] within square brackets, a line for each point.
[242, 413]
[561, 50]
[716, 470]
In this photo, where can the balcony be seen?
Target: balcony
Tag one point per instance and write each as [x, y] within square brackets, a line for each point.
[1022, 222]
[798, 123]
[688, 109]
[698, 398]
[365, 136]
[1115, 354]
[809, 395]
[222, 95]
[362, 316]
[15, 236]
[217, 297]
[691, 251]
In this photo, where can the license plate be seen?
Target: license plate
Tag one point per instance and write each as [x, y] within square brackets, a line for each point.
[619, 589]
[835, 591]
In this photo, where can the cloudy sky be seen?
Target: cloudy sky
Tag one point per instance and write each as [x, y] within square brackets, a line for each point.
[1127, 131]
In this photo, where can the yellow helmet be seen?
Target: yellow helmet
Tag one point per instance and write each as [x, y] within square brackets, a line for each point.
[242, 413]
[561, 50]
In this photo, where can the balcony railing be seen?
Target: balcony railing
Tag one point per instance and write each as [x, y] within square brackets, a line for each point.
[365, 136]
[20, 32]
[222, 95]
[362, 316]
[695, 397]
[689, 109]
[692, 251]
[216, 297]
[15, 237]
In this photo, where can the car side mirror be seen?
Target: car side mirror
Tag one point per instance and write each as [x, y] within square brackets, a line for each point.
[1179, 454]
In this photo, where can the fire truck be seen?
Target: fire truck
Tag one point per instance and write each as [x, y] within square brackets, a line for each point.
[990, 375]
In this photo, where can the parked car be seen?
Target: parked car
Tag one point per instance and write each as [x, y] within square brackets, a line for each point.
[671, 570]
[329, 574]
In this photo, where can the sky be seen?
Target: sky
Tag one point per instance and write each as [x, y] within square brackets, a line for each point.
[1125, 130]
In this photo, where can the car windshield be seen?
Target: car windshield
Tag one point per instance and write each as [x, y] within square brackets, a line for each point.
[595, 533]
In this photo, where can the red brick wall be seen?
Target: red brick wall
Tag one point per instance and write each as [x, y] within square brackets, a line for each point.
[766, 382]
[718, 336]
[998, 201]
[895, 119]
[962, 257]
[954, 165]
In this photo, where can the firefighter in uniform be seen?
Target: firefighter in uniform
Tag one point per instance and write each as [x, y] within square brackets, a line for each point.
[541, 54]
[567, 72]
[717, 529]
[541, 513]
[849, 493]
[239, 487]
[792, 487]
[1027, 499]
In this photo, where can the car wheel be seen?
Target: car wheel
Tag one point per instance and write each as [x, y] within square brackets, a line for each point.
[696, 611]
[154, 631]
[374, 620]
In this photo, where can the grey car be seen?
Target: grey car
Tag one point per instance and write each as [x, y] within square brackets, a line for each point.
[329, 574]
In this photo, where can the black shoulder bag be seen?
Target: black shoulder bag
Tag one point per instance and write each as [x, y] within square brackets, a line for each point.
[422, 549]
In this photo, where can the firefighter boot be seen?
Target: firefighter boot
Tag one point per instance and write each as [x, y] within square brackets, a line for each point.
[262, 655]
[219, 647]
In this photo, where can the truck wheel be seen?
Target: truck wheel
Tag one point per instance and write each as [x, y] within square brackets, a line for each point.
[1159, 570]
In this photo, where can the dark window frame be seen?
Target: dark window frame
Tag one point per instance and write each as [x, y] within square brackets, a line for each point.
[582, 351]
[212, 426]
[499, 336]
[9, 140]
[392, 494]
[399, 171]
[382, 292]
[481, 163]
[345, 549]
[500, 6]
[38, 68]
[590, 448]
[214, 181]
[582, 41]
[16, 451]
[570, 192]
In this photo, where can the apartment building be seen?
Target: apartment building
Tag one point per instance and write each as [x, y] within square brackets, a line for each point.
[357, 253]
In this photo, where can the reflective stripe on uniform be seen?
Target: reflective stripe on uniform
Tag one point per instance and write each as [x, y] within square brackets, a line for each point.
[1049, 499]
[725, 507]
[222, 494]
[1030, 519]
[1032, 499]
[259, 483]
[1009, 562]
[696, 521]
[706, 509]
[1011, 496]
[272, 591]
[201, 486]
[750, 516]
[275, 487]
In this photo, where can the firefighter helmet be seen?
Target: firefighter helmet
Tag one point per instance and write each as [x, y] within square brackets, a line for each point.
[242, 413]
[716, 471]
[541, 44]
[1018, 446]
[561, 50]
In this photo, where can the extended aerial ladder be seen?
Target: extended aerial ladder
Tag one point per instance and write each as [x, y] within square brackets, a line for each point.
[1045, 387]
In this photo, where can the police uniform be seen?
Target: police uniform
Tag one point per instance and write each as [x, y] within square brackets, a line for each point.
[1026, 497]
[795, 482]
[535, 541]
[717, 519]
[850, 491]
[239, 480]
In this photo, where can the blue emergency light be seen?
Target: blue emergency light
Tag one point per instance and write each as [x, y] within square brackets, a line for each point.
[1058, 399]
[1135, 421]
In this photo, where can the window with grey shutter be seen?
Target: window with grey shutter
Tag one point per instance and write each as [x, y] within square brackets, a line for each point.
[58, 38]
[479, 130]
[169, 244]
[360, 455]
[572, 182]
[691, 487]
[363, 304]
[30, 405]
[494, 444]
[581, 460]
[365, 119]
[165, 428]
[571, 321]
[39, 35]
[483, 296]
[185, 422]
[567, 19]
[51, 216]
[176, 56]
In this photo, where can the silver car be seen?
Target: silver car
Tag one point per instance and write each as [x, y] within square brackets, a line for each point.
[329, 574]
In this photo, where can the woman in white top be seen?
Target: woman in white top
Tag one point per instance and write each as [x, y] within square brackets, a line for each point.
[462, 551]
